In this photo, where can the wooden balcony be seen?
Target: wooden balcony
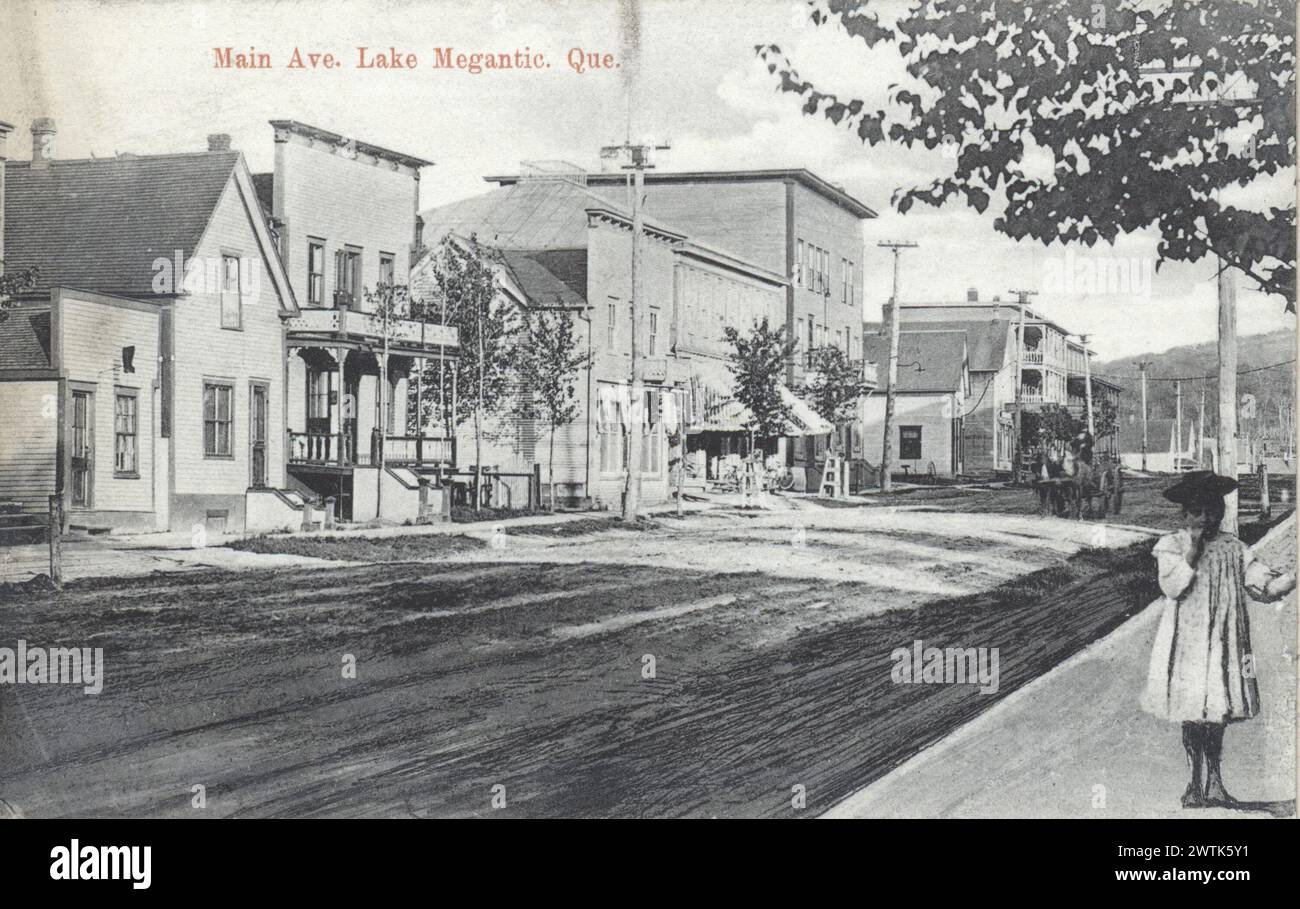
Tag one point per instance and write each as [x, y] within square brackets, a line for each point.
[344, 324]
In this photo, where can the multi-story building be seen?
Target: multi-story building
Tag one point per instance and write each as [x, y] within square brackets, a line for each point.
[791, 222]
[1054, 366]
[141, 379]
[344, 212]
[562, 244]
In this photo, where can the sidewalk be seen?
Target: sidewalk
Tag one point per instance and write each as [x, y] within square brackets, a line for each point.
[1074, 743]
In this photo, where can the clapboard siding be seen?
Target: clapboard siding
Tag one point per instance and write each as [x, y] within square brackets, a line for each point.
[206, 350]
[94, 334]
[368, 205]
[29, 443]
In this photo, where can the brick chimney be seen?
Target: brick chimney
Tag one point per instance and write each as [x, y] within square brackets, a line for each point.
[218, 142]
[972, 295]
[43, 131]
[5, 130]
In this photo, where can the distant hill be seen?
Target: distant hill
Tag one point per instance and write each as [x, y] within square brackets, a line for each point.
[1270, 387]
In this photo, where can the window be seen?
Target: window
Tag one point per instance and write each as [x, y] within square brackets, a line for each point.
[798, 265]
[909, 443]
[612, 329]
[315, 272]
[653, 344]
[318, 394]
[218, 420]
[347, 276]
[125, 434]
[386, 272]
[609, 428]
[798, 335]
[851, 299]
[231, 317]
[652, 433]
[826, 271]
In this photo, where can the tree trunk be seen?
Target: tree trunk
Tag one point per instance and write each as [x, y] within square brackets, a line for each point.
[550, 467]
[478, 462]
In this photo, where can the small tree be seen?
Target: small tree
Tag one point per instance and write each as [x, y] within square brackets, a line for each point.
[548, 362]
[834, 385]
[464, 278]
[758, 362]
[13, 283]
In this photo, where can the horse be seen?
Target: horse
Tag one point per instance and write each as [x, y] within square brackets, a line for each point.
[1048, 479]
[1103, 480]
[1079, 482]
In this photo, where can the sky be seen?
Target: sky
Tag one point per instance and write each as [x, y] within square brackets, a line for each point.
[140, 77]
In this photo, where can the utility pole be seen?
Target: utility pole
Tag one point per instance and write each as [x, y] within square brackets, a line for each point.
[1142, 368]
[891, 381]
[1200, 436]
[638, 157]
[1227, 443]
[1023, 296]
[1178, 419]
[1087, 385]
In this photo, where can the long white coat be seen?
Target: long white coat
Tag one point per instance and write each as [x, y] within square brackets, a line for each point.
[1201, 666]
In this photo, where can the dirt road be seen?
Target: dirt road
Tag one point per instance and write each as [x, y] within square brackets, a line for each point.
[705, 667]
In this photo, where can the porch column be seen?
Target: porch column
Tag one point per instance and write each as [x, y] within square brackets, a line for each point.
[366, 403]
[337, 421]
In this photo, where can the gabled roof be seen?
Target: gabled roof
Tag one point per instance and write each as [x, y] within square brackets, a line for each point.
[532, 214]
[554, 277]
[99, 223]
[986, 341]
[928, 361]
[25, 339]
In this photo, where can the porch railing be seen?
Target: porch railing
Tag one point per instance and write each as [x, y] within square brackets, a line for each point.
[419, 450]
[320, 448]
[339, 449]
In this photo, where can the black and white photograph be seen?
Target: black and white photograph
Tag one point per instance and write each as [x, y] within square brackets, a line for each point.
[642, 409]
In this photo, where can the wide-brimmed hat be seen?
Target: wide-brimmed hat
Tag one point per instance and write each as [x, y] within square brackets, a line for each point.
[1199, 487]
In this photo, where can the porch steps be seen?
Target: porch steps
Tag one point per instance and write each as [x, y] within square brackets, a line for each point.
[18, 527]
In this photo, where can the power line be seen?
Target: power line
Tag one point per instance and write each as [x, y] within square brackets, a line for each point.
[1214, 378]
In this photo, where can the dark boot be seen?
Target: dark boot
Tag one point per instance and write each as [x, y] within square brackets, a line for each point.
[1194, 745]
[1215, 794]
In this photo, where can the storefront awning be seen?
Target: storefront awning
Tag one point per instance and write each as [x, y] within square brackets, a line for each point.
[804, 421]
[729, 415]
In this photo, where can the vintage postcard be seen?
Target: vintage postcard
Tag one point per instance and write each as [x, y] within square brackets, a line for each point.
[647, 409]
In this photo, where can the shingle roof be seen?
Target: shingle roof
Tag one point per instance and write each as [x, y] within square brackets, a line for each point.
[532, 214]
[556, 277]
[986, 340]
[99, 223]
[938, 354]
[25, 339]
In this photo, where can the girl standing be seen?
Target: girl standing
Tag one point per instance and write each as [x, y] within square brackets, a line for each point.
[1202, 674]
